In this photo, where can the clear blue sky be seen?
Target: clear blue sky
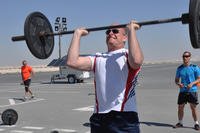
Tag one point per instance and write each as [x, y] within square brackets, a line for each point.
[159, 42]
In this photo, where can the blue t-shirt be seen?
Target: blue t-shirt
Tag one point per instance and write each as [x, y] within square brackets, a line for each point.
[188, 74]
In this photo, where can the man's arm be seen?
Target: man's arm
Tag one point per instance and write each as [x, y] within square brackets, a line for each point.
[135, 56]
[177, 82]
[21, 75]
[32, 72]
[73, 58]
[197, 81]
[194, 83]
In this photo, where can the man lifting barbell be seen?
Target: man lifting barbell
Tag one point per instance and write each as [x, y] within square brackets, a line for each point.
[115, 76]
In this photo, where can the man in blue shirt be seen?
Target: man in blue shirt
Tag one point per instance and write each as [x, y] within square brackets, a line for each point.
[187, 78]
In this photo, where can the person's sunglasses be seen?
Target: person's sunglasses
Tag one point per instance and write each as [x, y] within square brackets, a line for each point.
[115, 31]
[186, 56]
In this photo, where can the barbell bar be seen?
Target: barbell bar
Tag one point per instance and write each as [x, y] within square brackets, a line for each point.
[39, 35]
[184, 17]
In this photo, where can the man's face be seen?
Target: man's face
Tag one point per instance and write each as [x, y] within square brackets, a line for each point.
[24, 63]
[115, 38]
[186, 58]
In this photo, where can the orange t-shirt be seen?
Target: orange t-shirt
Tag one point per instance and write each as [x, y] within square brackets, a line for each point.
[26, 72]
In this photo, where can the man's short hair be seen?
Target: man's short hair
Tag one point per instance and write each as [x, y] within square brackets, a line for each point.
[187, 52]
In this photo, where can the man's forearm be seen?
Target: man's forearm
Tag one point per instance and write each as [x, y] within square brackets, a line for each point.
[73, 51]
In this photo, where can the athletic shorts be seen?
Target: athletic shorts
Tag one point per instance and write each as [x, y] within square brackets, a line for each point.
[115, 122]
[188, 97]
[27, 82]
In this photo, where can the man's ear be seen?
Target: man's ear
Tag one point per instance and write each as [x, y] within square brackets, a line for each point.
[125, 39]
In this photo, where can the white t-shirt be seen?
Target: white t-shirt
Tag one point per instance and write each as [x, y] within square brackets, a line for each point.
[115, 82]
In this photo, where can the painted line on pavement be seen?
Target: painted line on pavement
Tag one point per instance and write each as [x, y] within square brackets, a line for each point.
[65, 130]
[20, 131]
[11, 101]
[88, 108]
[31, 101]
[2, 130]
[8, 126]
[33, 128]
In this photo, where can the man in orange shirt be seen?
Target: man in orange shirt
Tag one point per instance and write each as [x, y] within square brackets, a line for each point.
[27, 72]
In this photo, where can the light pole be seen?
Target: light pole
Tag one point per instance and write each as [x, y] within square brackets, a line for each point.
[60, 26]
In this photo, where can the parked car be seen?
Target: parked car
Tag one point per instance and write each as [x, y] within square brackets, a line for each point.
[70, 75]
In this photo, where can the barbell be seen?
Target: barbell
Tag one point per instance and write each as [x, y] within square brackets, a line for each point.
[39, 35]
[9, 117]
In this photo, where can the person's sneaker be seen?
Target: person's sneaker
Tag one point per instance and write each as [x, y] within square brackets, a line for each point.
[196, 127]
[178, 125]
[25, 98]
[32, 96]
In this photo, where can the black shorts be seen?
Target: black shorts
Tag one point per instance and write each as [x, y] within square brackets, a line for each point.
[27, 82]
[188, 97]
[115, 122]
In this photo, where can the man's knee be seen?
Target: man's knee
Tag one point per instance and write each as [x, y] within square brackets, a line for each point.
[26, 88]
[193, 106]
[181, 106]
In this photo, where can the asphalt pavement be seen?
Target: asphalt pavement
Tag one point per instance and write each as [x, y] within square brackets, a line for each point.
[67, 107]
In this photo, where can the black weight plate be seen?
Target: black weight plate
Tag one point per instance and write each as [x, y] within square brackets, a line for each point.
[194, 23]
[35, 23]
[9, 117]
